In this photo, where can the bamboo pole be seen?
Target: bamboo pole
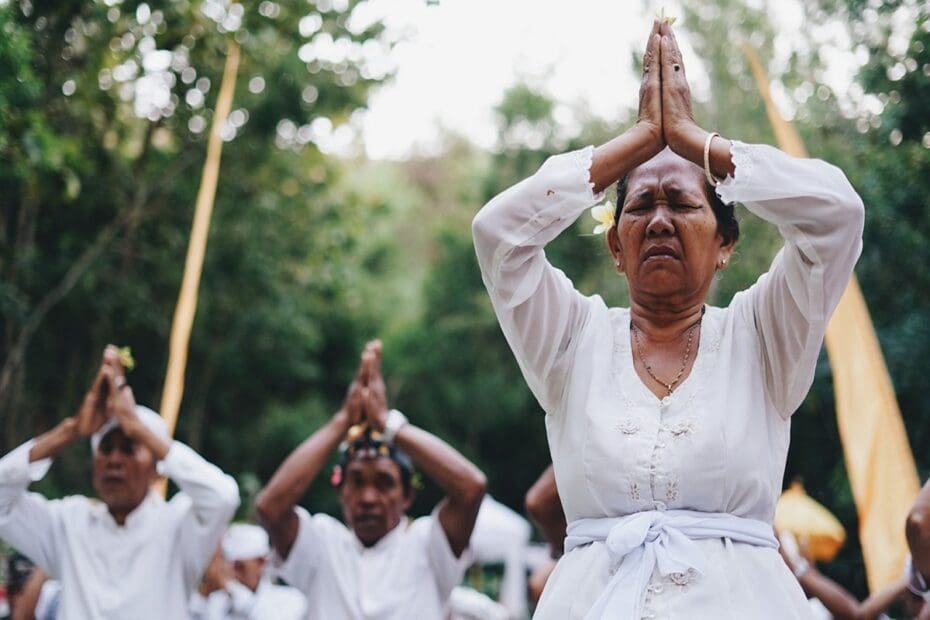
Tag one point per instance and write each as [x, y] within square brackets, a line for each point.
[193, 267]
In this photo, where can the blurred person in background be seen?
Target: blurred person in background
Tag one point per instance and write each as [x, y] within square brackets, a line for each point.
[831, 601]
[501, 536]
[380, 565]
[32, 595]
[237, 584]
[917, 530]
[545, 511]
[128, 554]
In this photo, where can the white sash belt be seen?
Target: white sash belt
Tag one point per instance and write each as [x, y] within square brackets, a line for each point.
[643, 541]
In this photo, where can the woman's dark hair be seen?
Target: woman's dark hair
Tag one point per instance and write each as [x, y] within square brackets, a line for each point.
[727, 225]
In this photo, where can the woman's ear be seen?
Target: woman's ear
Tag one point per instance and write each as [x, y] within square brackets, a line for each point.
[726, 252]
[613, 244]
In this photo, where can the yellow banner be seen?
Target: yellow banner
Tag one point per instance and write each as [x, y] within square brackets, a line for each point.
[882, 473]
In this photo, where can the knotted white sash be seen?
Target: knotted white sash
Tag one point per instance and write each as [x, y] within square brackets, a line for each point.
[639, 543]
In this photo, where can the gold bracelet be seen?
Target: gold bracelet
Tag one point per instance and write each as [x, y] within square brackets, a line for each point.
[714, 181]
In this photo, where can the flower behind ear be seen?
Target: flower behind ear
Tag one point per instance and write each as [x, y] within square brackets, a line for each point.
[604, 214]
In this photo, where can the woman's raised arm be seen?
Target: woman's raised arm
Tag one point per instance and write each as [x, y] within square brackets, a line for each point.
[644, 139]
[682, 133]
[536, 304]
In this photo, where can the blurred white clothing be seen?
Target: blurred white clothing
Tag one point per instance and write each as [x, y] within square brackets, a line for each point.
[409, 573]
[502, 536]
[237, 602]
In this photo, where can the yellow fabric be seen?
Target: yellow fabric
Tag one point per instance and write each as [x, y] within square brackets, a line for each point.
[817, 531]
[881, 468]
[882, 473]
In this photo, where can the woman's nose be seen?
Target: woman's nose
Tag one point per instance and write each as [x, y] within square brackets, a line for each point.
[660, 223]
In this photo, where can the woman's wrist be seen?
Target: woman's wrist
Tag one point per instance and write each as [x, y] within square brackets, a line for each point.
[688, 142]
[650, 137]
[614, 159]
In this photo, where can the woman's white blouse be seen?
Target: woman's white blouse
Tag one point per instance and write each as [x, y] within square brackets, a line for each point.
[719, 442]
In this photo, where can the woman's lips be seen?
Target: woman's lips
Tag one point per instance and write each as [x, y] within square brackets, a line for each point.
[660, 252]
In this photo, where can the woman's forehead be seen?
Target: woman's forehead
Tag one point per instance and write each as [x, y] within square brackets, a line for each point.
[664, 169]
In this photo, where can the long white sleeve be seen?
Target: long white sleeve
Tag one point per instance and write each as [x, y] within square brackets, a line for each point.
[28, 520]
[214, 497]
[536, 304]
[820, 217]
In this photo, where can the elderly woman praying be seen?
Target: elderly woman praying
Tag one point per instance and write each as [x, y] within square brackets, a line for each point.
[668, 421]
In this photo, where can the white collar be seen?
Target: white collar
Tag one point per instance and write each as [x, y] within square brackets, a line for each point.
[138, 516]
[386, 541]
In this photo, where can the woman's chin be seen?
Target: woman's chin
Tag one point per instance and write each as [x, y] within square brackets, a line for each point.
[659, 285]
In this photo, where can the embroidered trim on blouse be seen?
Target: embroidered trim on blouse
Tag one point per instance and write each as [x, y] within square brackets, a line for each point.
[583, 158]
[682, 580]
[741, 156]
[629, 426]
[680, 429]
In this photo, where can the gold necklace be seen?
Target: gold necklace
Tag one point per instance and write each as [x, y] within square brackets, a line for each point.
[684, 360]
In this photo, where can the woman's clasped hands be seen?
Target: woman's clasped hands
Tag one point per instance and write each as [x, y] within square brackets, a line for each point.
[665, 112]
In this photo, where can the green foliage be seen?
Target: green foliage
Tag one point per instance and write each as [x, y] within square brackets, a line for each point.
[85, 176]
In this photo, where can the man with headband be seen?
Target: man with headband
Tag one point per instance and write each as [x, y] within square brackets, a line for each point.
[380, 565]
[131, 554]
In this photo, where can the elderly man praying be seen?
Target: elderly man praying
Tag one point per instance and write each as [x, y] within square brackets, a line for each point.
[128, 554]
[380, 565]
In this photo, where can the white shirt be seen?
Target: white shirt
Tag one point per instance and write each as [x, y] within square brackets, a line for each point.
[237, 602]
[146, 568]
[49, 601]
[719, 442]
[409, 573]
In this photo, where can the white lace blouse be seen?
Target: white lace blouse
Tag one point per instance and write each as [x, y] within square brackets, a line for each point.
[719, 442]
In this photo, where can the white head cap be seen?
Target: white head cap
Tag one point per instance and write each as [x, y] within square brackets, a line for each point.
[152, 421]
[245, 542]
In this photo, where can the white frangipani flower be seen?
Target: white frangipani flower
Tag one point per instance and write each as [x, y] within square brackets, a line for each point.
[604, 214]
